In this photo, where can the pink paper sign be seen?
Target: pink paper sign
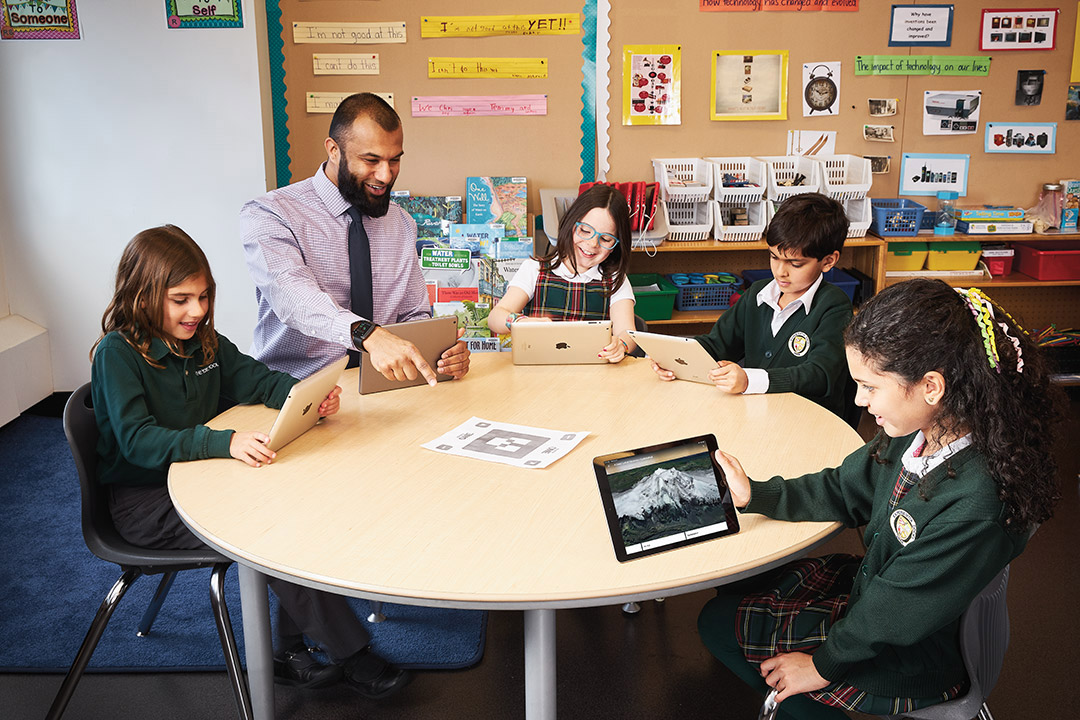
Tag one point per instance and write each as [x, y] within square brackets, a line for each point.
[466, 105]
[53, 20]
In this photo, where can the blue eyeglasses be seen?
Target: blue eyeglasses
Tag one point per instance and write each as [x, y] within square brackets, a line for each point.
[587, 232]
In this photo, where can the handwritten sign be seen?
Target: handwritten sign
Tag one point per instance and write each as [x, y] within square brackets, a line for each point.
[922, 64]
[921, 25]
[479, 105]
[327, 102]
[346, 64]
[485, 25]
[348, 33]
[444, 67]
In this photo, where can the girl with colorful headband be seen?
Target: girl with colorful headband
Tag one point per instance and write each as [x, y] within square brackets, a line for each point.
[950, 490]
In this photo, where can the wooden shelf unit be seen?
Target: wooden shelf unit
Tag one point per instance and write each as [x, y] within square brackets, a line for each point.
[1036, 303]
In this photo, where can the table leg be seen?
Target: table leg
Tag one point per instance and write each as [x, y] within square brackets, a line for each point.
[258, 647]
[540, 665]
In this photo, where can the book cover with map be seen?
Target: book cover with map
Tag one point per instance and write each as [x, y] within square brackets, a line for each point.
[498, 199]
[434, 214]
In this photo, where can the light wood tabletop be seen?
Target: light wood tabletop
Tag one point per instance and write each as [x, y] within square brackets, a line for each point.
[357, 505]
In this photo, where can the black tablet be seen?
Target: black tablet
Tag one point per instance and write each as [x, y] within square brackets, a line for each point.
[664, 496]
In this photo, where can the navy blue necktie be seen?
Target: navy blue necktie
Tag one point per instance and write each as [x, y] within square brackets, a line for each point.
[360, 274]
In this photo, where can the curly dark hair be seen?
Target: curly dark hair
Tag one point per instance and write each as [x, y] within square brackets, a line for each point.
[923, 325]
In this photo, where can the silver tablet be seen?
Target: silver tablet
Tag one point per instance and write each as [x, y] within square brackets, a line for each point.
[685, 357]
[301, 409]
[432, 337]
[567, 342]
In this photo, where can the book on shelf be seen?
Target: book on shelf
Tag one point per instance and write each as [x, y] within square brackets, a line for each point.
[472, 317]
[477, 238]
[1070, 213]
[433, 213]
[498, 199]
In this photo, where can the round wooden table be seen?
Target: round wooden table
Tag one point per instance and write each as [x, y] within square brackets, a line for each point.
[356, 506]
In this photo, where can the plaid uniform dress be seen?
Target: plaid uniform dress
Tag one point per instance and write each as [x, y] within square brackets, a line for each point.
[795, 615]
[560, 299]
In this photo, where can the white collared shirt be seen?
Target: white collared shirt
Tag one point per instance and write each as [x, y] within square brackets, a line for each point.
[757, 379]
[529, 272]
[925, 463]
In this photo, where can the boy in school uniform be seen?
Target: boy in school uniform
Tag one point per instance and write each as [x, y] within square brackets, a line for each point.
[787, 331]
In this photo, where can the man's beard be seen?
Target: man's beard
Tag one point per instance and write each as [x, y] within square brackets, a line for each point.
[356, 194]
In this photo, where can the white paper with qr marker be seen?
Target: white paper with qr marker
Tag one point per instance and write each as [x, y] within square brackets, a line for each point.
[519, 445]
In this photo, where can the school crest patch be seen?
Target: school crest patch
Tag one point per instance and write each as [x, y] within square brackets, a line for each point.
[799, 344]
[903, 526]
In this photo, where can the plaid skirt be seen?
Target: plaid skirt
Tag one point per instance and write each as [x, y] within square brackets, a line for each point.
[795, 614]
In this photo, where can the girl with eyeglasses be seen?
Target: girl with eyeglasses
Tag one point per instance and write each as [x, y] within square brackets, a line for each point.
[581, 277]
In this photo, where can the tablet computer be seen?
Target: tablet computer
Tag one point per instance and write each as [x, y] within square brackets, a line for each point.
[664, 496]
[567, 342]
[432, 337]
[685, 357]
[301, 409]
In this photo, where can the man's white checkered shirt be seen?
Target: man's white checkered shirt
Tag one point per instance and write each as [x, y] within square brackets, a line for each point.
[296, 245]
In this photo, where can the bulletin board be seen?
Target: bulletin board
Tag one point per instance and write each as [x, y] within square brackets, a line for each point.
[440, 152]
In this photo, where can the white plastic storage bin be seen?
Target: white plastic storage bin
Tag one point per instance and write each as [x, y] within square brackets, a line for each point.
[757, 215]
[782, 168]
[669, 171]
[689, 221]
[750, 169]
[859, 216]
[844, 177]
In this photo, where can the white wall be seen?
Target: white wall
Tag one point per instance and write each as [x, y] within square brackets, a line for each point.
[132, 126]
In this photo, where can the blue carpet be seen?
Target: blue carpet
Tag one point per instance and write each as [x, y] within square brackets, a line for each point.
[51, 585]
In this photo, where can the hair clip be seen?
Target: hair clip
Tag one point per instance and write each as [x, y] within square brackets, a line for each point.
[982, 308]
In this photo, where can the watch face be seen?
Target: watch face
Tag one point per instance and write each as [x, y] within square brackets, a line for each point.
[820, 93]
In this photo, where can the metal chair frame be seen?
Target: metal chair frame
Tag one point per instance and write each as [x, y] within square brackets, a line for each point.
[105, 542]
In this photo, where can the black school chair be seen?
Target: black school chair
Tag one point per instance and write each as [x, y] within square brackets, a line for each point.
[984, 637]
[103, 540]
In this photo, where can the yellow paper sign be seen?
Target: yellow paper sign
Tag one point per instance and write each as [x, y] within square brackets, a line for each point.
[484, 25]
[348, 33]
[327, 102]
[443, 67]
[345, 64]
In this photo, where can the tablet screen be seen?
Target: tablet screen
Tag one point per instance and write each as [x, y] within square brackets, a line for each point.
[664, 496]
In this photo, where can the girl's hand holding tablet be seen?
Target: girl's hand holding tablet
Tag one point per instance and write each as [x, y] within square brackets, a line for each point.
[737, 481]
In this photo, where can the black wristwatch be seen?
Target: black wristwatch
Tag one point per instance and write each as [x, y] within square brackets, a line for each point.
[361, 331]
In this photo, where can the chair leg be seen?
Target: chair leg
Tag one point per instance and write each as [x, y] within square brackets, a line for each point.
[631, 608]
[155, 604]
[376, 615]
[93, 635]
[984, 713]
[228, 642]
[770, 707]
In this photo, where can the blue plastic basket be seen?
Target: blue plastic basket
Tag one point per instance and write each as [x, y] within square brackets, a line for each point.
[837, 277]
[895, 217]
[704, 296]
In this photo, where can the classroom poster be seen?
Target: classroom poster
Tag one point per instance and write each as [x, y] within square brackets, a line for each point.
[929, 173]
[921, 25]
[821, 88]
[749, 86]
[951, 112]
[652, 85]
[39, 20]
[203, 14]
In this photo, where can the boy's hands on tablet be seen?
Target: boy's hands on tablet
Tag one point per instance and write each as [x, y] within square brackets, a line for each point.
[729, 377]
[331, 404]
[737, 482]
[663, 374]
[250, 447]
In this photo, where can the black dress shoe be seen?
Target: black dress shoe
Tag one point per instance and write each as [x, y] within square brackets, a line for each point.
[373, 677]
[296, 668]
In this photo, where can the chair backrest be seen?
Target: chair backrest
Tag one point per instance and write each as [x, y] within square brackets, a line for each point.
[81, 429]
[984, 635]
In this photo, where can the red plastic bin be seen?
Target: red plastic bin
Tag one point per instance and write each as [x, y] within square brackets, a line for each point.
[1049, 261]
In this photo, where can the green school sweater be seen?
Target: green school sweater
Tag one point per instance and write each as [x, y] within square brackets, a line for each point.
[149, 417]
[806, 356]
[899, 636]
